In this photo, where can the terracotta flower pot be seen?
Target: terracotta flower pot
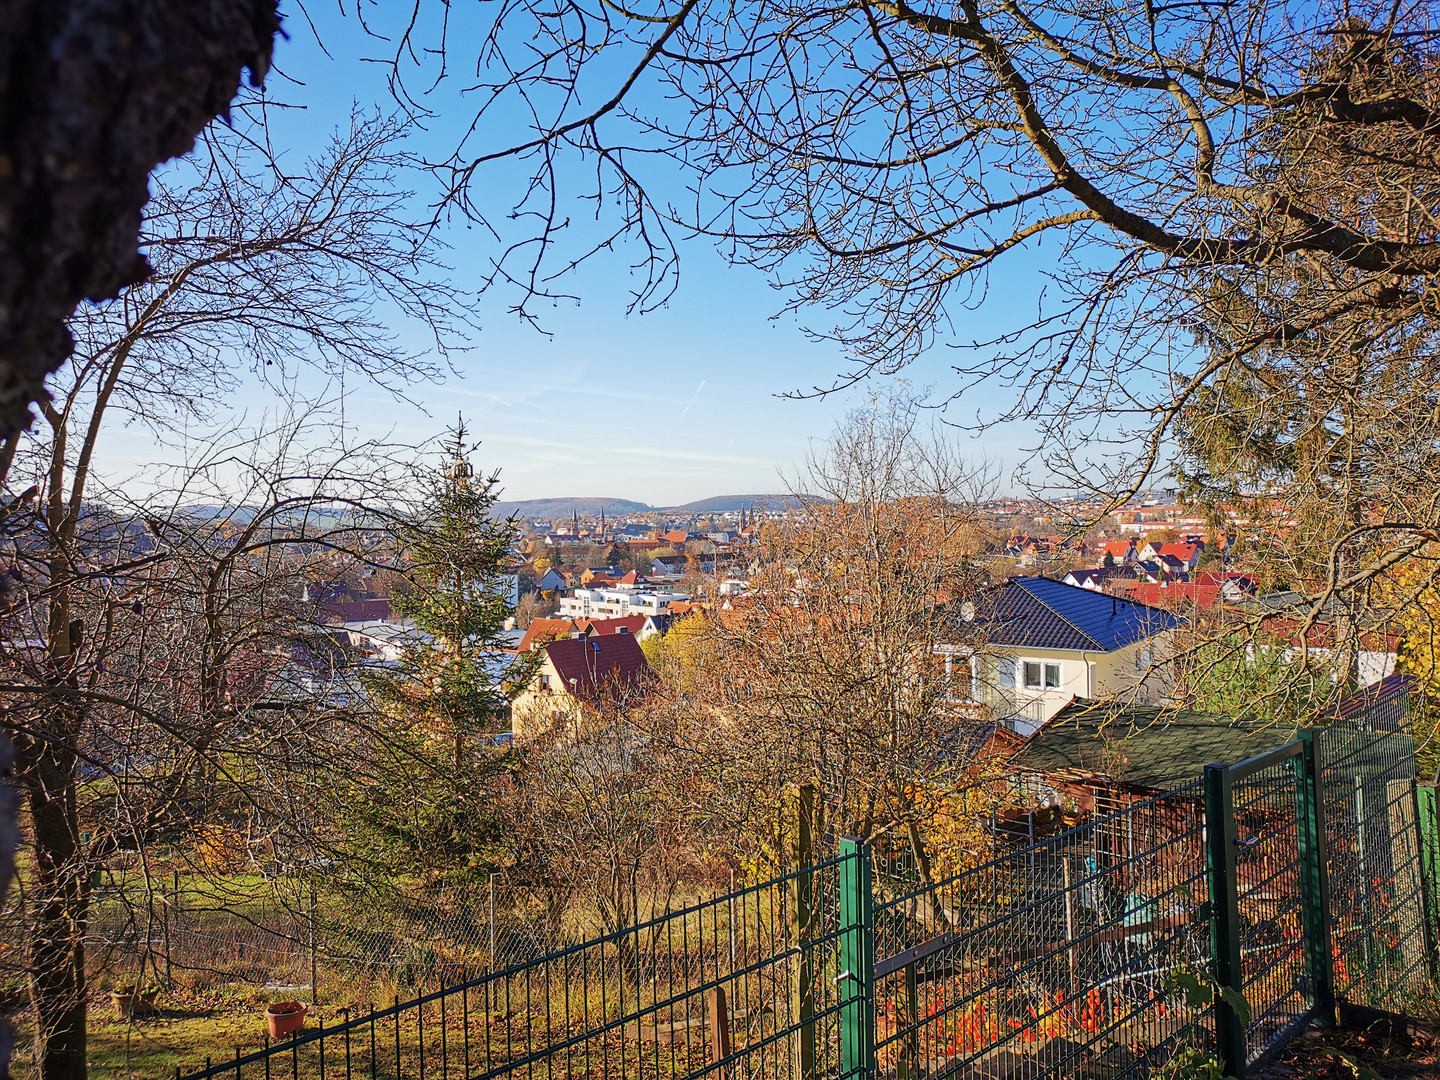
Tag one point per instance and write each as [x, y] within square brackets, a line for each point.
[131, 1004]
[285, 1018]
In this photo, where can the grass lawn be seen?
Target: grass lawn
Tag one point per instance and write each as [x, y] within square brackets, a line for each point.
[188, 1027]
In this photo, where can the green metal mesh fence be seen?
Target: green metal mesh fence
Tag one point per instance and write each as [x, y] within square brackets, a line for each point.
[1057, 957]
[1074, 955]
[1381, 956]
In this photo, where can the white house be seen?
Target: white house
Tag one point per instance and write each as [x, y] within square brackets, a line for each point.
[1039, 644]
[617, 603]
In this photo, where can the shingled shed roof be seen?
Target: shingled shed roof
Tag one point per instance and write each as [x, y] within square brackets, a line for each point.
[1145, 747]
[1037, 613]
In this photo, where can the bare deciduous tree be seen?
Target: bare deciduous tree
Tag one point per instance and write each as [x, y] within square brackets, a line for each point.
[279, 269]
[846, 665]
[1261, 173]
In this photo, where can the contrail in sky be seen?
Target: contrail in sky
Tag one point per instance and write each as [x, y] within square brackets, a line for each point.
[694, 396]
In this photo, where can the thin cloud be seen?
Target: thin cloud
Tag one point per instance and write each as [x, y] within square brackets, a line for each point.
[693, 397]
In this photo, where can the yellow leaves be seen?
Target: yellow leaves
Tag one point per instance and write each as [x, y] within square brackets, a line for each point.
[682, 656]
[1411, 592]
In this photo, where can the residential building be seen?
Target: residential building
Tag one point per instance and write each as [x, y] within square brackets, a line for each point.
[383, 640]
[629, 624]
[617, 603]
[1041, 643]
[677, 566]
[1119, 552]
[541, 631]
[577, 677]
[1187, 555]
[1160, 568]
[551, 581]
[1099, 578]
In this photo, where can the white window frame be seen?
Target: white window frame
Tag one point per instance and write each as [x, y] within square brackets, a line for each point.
[1025, 666]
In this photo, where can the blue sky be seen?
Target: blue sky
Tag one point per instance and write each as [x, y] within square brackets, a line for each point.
[665, 407]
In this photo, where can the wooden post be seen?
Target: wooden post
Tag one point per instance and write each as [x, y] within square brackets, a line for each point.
[314, 986]
[719, 1019]
[909, 1022]
[803, 1005]
[1070, 930]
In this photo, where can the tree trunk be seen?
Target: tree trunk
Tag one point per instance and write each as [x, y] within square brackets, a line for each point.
[9, 840]
[93, 95]
[59, 912]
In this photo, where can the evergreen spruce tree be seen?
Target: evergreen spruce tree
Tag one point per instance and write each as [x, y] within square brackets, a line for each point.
[425, 806]
[457, 558]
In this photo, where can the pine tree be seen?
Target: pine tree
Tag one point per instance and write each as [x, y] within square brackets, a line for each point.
[425, 805]
[458, 557]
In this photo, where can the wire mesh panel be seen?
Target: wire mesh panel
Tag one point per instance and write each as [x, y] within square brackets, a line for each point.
[1055, 959]
[1270, 883]
[743, 984]
[1373, 842]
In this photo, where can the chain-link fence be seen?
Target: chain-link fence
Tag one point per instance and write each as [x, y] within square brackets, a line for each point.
[276, 935]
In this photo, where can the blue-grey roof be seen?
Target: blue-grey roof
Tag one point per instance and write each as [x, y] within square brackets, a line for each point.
[1037, 613]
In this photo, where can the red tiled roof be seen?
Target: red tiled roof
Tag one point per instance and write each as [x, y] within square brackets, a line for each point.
[1201, 594]
[357, 610]
[1183, 552]
[1323, 636]
[608, 663]
[630, 624]
[675, 536]
[542, 630]
[1396, 685]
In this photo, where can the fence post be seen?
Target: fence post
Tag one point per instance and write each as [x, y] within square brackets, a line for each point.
[314, 945]
[718, 1016]
[491, 911]
[1315, 910]
[1224, 916]
[908, 1018]
[804, 884]
[857, 962]
[1426, 814]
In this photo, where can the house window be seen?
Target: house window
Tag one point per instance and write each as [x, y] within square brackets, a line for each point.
[544, 682]
[1038, 675]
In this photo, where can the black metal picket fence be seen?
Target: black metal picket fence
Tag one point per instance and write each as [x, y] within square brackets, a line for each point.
[1222, 916]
